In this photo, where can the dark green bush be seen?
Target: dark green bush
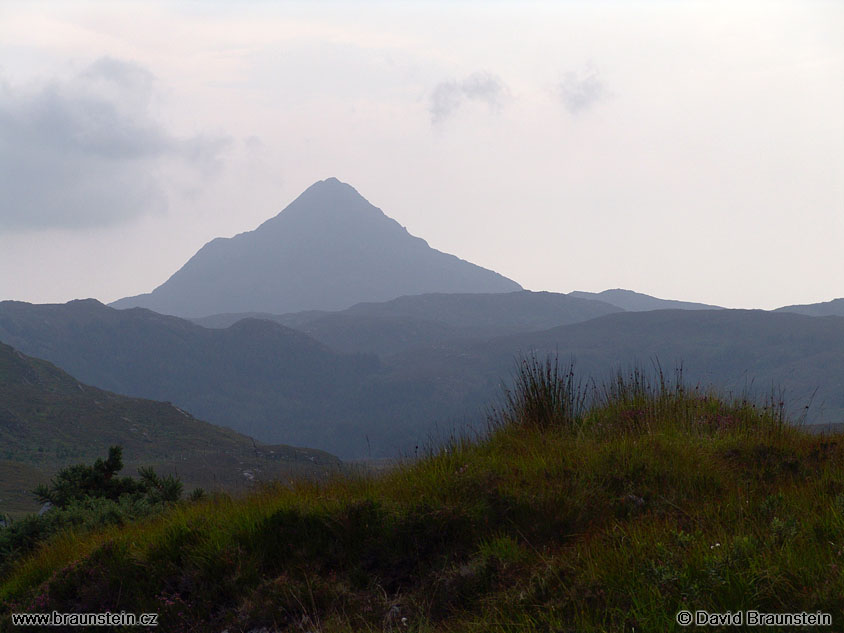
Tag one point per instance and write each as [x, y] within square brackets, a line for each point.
[85, 498]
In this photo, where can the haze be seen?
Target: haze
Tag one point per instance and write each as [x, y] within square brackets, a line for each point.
[687, 150]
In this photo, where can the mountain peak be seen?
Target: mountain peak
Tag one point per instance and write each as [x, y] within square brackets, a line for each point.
[326, 200]
[333, 190]
[327, 250]
[331, 184]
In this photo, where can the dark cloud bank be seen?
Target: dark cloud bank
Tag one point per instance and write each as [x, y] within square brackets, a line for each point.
[86, 151]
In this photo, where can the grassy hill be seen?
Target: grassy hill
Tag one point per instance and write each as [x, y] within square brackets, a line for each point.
[48, 419]
[614, 516]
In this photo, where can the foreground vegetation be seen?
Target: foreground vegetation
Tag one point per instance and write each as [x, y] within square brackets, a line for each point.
[84, 498]
[582, 509]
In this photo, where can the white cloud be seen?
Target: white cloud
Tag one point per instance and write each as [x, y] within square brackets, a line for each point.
[87, 151]
[580, 91]
[448, 96]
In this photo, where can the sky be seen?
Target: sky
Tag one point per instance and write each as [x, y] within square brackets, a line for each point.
[688, 150]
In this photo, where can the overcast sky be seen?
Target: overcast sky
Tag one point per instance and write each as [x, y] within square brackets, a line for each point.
[687, 150]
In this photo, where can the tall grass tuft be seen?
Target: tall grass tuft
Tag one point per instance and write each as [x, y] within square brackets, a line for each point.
[638, 401]
[545, 396]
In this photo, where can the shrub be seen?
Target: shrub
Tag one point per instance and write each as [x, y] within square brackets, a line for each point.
[86, 498]
[78, 482]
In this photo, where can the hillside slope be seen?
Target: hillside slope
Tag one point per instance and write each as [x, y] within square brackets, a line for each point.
[49, 419]
[327, 250]
[656, 500]
[257, 377]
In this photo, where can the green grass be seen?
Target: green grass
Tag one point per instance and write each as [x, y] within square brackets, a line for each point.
[583, 508]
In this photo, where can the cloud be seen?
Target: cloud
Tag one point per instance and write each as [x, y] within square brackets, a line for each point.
[448, 96]
[87, 151]
[581, 91]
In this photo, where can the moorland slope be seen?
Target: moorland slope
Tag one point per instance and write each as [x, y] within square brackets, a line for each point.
[653, 499]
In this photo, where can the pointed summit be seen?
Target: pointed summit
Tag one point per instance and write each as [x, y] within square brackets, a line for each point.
[327, 250]
[329, 199]
[329, 192]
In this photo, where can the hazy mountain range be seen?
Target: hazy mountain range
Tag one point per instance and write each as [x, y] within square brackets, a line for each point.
[327, 250]
[248, 376]
[415, 321]
[282, 386]
[330, 326]
[638, 302]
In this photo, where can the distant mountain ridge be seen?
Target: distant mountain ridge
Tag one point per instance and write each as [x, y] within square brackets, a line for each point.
[826, 308]
[282, 386]
[257, 377]
[329, 249]
[631, 301]
[734, 350]
[418, 320]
